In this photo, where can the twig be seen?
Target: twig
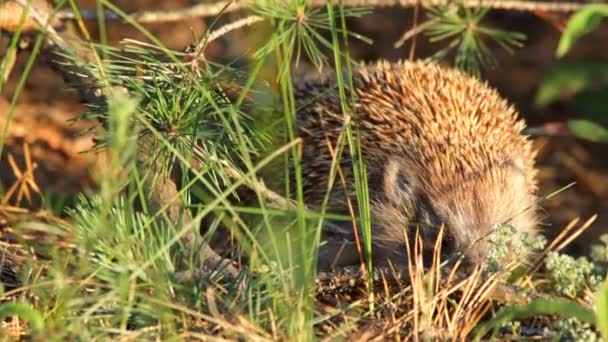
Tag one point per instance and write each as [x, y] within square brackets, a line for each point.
[72, 72]
[511, 5]
[413, 32]
[215, 8]
[252, 183]
[414, 24]
[199, 10]
[11, 13]
[213, 35]
[164, 16]
[42, 14]
[258, 186]
[551, 129]
[244, 22]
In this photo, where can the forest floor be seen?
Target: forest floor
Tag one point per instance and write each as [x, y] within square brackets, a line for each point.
[42, 130]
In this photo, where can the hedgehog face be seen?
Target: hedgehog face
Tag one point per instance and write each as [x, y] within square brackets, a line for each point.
[474, 209]
[471, 208]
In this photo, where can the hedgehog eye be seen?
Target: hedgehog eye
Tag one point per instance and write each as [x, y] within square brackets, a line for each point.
[426, 215]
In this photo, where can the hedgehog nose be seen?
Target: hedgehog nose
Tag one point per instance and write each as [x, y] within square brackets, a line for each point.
[447, 244]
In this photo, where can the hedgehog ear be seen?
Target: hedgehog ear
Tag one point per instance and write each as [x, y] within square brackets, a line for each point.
[399, 186]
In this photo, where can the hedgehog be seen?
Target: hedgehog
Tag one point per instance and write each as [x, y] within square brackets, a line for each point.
[441, 148]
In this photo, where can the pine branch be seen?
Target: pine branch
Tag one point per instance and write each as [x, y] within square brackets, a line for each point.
[164, 191]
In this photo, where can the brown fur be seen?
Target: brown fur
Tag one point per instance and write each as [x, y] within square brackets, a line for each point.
[441, 147]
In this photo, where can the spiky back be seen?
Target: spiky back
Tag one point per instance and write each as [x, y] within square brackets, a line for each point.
[440, 121]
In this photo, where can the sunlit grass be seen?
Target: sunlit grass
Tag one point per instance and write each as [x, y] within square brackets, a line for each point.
[116, 265]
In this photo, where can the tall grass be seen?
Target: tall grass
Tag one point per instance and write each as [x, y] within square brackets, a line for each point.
[118, 266]
[119, 271]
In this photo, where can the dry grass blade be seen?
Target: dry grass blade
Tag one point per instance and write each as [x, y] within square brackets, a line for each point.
[577, 233]
[239, 325]
[564, 238]
[24, 179]
[442, 308]
[7, 64]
